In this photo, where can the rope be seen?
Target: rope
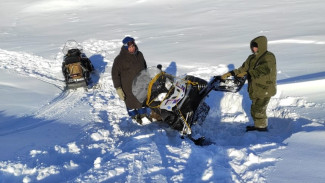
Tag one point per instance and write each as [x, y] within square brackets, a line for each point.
[184, 121]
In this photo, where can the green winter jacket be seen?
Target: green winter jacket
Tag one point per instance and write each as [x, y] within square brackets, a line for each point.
[261, 69]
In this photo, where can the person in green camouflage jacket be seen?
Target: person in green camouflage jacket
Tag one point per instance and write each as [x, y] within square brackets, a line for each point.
[260, 68]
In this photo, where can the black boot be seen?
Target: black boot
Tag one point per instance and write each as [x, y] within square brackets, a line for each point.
[253, 128]
[146, 116]
[137, 118]
[156, 116]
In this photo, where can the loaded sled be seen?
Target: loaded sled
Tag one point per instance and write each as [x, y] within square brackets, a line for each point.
[76, 66]
[180, 101]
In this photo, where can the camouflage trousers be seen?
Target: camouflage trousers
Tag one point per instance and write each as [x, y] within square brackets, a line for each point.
[258, 111]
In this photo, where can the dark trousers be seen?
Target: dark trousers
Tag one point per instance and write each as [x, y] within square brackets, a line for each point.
[134, 112]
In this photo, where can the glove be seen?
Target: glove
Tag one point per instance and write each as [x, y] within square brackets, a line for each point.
[225, 76]
[241, 75]
[120, 93]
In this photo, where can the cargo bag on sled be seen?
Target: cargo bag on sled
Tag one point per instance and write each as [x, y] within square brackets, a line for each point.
[75, 70]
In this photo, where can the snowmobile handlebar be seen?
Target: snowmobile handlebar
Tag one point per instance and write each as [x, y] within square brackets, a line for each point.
[229, 85]
[226, 85]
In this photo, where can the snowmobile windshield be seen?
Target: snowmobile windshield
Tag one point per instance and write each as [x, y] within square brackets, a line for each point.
[71, 45]
[141, 82]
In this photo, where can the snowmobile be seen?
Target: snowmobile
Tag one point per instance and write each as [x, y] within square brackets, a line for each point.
[76, 66]
[180, 101]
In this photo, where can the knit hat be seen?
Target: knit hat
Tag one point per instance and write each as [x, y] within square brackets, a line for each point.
[127, 41]
[254, 44]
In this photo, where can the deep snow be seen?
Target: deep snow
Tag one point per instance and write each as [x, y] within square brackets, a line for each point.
[51, 135]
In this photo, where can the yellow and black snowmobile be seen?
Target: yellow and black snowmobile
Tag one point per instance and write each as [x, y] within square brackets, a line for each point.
[180, 101]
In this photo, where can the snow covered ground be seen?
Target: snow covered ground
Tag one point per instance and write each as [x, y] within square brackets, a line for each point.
[51, 135]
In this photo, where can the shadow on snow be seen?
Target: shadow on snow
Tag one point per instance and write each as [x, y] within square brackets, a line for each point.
[19, 136]
[307, 77]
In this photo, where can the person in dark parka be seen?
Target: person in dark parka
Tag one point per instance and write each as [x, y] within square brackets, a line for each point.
[260, 68]
[126, 66]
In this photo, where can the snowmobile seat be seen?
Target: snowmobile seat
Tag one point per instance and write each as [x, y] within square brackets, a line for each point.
[74, 52]
[73, 56]
[71, 59]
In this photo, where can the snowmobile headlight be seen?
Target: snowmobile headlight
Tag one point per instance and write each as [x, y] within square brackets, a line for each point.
[161, 97]
[168, 83]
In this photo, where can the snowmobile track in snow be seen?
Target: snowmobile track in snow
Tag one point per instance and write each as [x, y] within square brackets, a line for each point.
[61, 104]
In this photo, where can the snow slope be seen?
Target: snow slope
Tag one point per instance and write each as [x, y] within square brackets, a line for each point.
[51, 135]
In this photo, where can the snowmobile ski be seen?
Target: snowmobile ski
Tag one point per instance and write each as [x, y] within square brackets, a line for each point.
[201, 141]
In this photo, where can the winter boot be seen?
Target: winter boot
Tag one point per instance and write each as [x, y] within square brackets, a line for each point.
[137, 118]
[146, 116]
[156, 116]
[253, 128]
